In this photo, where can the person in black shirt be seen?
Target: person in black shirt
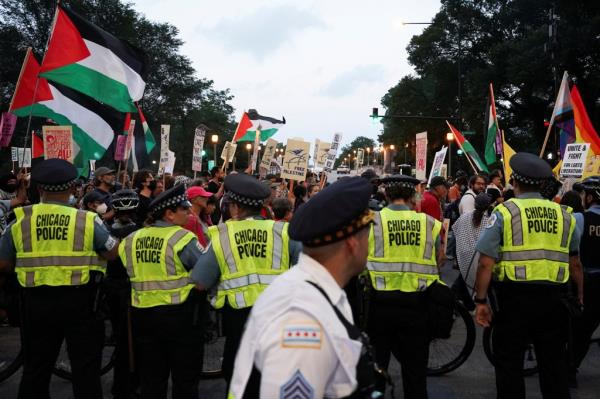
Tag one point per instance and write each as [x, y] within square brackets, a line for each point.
[143, 184]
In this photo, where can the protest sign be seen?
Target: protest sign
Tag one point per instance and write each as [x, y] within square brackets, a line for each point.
[129, 141]
[335, 144]
[58, 142]
[360, 156]
[120, 148]
[438, 161]
[165, 130]
[316, 152]
[170, 166]
[24, 157]
[322, 152]
[228, 151]
[574, 160]
[295, 162]
[198, 146]
[421, 156]
[7, 128]
[269, 153]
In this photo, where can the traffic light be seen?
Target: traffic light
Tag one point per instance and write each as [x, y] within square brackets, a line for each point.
[546, 123]
[459, 152]
[375, 113]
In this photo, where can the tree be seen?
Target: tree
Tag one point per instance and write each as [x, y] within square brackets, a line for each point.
[347, 151]
[174, 95]
[504, 42]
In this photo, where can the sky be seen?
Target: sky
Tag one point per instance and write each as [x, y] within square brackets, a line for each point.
[322, 64]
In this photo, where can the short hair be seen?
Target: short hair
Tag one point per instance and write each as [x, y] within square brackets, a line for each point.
[281, 206]
[140, 178]
[399, 192]
[474, 178]
[214, 171]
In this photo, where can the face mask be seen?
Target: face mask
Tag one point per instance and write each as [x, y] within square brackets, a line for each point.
[101, 209]
[72, 200]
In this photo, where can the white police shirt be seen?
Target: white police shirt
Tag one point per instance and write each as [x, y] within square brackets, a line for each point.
[295, 339]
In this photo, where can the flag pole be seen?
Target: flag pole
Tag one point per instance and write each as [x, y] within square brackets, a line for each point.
[37, 80]
[564, 84]
[233, 141]
[550, 125]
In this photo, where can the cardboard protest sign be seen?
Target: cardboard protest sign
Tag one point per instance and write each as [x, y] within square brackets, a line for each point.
[170, 167]
[165, 131]
[199, 136]
[574, 160]
[438, 162]
[269, 154]
[421, 150]
[322, 152]
[120, 147]
[228, 151]
[316, 151]
[335, 144]
[129, 141]
[58, 142]
[295, 162]
[7, 128]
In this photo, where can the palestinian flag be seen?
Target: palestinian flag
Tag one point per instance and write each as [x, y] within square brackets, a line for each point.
[468, 148]
[90, 60]
[93, 123]
[493, 130]
[149, 140]
[251, 122]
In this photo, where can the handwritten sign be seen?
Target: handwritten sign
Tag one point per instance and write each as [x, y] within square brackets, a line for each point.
[165, 130]
[198, 146]
[228, 151]
[58, 142]
[295, 162]
[421, 150]
[333, 149]
[269, 154]
[321, 155]
[574, 160]
[7, 128]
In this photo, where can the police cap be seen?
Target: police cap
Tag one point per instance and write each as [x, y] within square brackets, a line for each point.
[175, 196]
[530, 169]
[400, 180]
[54, 175]
[339, 211]
[246, 190]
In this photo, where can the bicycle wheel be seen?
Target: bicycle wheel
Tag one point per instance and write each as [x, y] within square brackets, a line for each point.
[529, 360]
[62, 367]
[214, 343]
[446, 355]
[11, 357]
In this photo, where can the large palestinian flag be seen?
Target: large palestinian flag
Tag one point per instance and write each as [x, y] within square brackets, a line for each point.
[251, 122]
[93, 123]
[468, 149]
[88, 59]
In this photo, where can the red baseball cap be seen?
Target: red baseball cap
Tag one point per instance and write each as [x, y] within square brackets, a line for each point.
[197, 191]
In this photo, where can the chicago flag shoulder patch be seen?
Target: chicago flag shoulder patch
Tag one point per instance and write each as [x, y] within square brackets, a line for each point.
[305, 334]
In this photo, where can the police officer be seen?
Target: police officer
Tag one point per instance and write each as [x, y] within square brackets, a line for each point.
[588, 249]
[531, 251]
[245, 256]
[403, 254]
[165, 319]
[118, 293]
[55, 250]
[300, 340]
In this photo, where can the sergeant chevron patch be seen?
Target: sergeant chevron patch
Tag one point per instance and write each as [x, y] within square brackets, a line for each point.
[297, 387]
[302, 335]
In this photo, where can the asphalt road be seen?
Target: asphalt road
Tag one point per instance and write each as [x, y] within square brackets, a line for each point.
[474, 379]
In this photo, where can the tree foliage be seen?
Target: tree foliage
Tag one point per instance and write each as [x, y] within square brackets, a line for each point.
[174, 94]
[504, 42]
[348, 150]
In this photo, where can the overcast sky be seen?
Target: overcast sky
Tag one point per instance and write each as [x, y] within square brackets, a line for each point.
[322, 64]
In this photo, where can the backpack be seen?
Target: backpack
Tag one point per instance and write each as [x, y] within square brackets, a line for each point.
[452, 211]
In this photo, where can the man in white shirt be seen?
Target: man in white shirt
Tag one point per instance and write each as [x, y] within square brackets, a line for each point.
[300, 338]
[477, 185]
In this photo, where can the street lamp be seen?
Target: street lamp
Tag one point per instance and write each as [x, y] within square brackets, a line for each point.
[215, 139]
[392, 147]
[249, 148]
[450, 139]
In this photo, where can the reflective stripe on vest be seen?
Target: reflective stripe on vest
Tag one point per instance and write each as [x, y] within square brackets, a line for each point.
[161, 285]
[402, 251]
[250, 253]
[58, 261]
[535, 242]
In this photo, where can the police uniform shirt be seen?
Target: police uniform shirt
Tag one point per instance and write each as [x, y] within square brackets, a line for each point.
[296, 341]
[491, 238]
[190, 253]
[207, 272]
[595, 209]
[103, 241]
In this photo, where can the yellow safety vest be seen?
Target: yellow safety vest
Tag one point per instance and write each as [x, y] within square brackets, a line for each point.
[250, 253]
[54, 245]
[535, 241]
[402, 251]
[157, 275]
